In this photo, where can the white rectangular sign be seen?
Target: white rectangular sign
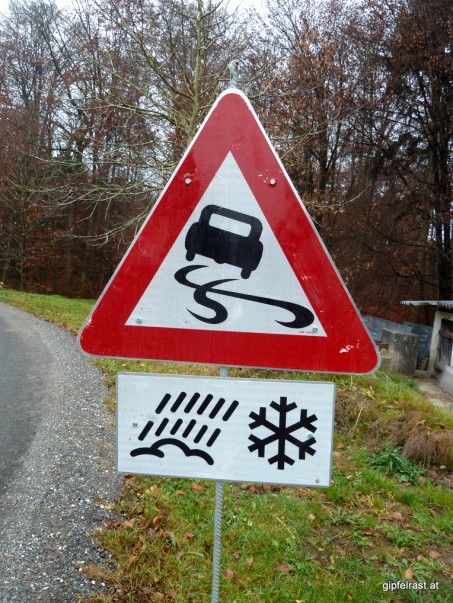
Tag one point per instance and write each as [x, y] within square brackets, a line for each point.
[250, 430]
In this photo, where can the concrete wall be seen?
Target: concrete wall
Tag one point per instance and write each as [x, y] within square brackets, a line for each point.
[375, 326]
[399, 351]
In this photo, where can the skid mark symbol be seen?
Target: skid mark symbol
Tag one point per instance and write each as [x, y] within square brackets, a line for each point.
[302, 316]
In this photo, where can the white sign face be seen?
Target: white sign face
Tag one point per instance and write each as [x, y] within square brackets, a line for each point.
[250, 430]
[198, 286]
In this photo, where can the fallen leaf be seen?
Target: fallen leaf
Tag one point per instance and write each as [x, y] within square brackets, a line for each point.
[420, 557]
[132, 560]
[197, 487]
[311, 516]
[409, 573]
[284, 568]
[180, 492]
[156, 597]
[157, 521]
[236, 555]
[171, 592]
[397, 516]
[348, 596]
[229, 574]
[189, 535]
[179, 554]
[129, 523]
[368, 531]
[163, 534]
[249, 561]
[254, 489]
[434, 554]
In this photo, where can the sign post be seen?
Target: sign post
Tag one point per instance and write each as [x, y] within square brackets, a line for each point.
[270, 431]
[228, 269]
[218, 520]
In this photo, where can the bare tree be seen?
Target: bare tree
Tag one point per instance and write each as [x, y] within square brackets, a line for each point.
[130, 82]
[27, 108]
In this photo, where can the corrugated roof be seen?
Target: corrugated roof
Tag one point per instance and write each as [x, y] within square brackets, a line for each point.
[446, 304]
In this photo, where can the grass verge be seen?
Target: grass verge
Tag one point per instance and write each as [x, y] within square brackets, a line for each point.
[67, 313]
[382, 521]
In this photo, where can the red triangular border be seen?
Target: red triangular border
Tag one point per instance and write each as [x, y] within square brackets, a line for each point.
[232, 126]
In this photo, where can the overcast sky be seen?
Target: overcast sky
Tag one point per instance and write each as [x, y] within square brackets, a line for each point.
[244, 3]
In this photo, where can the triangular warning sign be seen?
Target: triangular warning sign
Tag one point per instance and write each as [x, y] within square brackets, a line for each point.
[228, 268]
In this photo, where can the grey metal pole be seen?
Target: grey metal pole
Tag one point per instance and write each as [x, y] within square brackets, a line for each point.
[218, 515]
[218, 512]
[217, 541]
[234, 69]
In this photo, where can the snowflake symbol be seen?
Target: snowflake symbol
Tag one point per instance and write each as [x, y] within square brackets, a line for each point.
[281, 433]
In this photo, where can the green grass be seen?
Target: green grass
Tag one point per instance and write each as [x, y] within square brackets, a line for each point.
[67, 313]
[285, 544]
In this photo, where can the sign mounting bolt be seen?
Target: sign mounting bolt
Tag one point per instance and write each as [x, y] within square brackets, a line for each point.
[138, 321]
[272, 182]
[188, 180]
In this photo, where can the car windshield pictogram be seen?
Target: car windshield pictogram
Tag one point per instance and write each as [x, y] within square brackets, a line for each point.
[225, 246]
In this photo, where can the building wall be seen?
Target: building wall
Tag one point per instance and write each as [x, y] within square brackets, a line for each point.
[439, 316]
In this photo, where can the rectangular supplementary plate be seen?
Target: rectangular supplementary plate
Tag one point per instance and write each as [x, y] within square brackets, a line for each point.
[248, 430]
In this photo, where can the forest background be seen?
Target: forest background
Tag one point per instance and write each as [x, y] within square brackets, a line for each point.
[99, 101]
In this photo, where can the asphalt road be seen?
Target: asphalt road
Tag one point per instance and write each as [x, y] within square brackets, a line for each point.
[24, 375]
[57, 463]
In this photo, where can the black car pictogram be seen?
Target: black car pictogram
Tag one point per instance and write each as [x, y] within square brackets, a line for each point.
[223, 246]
